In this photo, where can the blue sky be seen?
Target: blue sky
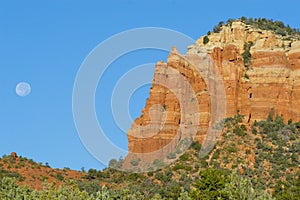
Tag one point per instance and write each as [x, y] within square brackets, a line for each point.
[45, 42]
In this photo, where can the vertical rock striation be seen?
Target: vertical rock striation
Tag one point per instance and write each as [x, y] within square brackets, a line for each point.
[270, 83]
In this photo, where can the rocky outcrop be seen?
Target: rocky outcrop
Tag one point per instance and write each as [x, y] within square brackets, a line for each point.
[14, 156]
[270, 83]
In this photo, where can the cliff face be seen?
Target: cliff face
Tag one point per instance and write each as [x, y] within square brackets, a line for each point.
[270, 83]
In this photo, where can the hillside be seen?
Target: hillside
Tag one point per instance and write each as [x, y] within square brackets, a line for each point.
[33, 174]
[266, 154]
[263, 158]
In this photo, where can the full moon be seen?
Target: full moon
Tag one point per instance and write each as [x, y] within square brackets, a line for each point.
[23, 89]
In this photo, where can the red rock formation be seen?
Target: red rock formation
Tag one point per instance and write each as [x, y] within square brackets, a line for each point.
[272, 82]
[14, 156]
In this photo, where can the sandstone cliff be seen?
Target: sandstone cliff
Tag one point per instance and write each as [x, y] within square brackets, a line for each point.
[270, 83]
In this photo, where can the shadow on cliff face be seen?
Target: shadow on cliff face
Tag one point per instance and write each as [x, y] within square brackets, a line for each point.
[194, 106]
[186, 100]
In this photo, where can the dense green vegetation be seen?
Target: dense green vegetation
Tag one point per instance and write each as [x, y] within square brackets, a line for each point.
[247, 55]
[5, 173]
[257, 162]
[264, 24]
[268, 153]
[268, 24]
[205, 40]
[213, 184]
